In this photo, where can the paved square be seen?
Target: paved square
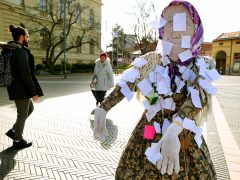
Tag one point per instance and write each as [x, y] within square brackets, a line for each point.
[63, 145]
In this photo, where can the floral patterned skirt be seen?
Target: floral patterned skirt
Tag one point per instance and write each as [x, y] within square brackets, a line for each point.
[195, 163]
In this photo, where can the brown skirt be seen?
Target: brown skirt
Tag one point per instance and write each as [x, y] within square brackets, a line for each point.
[195, 163]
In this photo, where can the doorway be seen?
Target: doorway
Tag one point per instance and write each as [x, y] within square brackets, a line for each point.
[221, 62]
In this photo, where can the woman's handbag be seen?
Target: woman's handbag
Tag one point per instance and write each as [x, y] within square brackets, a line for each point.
[94, 81]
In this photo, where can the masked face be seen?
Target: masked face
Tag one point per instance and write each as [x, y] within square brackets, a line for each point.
[175, 37]
[26, 39]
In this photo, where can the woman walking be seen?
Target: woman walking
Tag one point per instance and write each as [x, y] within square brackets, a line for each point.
[103, 75]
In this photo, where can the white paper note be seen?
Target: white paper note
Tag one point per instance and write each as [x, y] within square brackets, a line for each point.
[125, 90]
[153, 155]
[182, 69]
[165, 60]
[169, 104]
[157, 127]
[180, 84]
[207, 86]
[130, 75]
[150, 114]
[158, 24]
[145, 86]
[179, 22]
[146, 104]
[160, 70]
[185, 55]
[163, 87]
[213, 74]
[186, 74]
[189, 124]
[196, 98]
[164, 47]
[198, 140]
[166, 124]
[201, 63]
[157, 106]
[186, 42]
[192, 76]
[139, 62]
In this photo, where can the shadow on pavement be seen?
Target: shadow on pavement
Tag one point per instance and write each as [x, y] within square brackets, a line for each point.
[113, 133]
[7, 161]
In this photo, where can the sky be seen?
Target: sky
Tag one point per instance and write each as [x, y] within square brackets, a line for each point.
[218, 16]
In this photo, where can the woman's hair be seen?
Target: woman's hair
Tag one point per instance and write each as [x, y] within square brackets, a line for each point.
[103, 54]
[16, 32]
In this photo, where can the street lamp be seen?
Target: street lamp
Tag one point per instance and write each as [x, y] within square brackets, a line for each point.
[115, 35]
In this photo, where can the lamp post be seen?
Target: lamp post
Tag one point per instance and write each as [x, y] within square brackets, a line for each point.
[115, 35]
[64, 40]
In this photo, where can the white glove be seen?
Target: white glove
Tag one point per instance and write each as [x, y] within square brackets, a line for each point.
[99, 126]
[170, 147]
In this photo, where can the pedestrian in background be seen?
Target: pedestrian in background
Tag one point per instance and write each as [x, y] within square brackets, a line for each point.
[115, 64]
[25, 86]
[103, 77]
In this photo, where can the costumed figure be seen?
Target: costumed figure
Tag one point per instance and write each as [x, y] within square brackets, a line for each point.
[167, 142]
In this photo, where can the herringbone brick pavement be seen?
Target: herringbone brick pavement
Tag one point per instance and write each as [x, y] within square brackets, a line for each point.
[63, 145]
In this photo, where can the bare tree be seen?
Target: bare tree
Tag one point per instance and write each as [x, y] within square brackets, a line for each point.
[119, 42]
[81, 27]
[145, 36]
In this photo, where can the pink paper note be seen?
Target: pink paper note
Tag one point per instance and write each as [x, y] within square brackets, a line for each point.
[149, 132]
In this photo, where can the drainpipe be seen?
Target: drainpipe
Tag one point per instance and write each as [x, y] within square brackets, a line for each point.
[230, 58]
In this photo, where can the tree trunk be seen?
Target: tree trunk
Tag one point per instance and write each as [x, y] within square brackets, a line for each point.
[50, 67]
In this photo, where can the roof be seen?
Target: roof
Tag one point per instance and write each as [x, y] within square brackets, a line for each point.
[227, 36]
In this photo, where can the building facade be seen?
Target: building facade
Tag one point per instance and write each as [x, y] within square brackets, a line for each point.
[34, 14]
[226, 52]
[206, 49]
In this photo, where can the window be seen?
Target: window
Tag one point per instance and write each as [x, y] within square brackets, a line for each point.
[238, 42]
[236, 63]
[220, 44]
[91, 47]
[78, 13]
[91, 18]
[43, 5]
[79, 48]
[61, 7]
[22, 2]
[44, 39]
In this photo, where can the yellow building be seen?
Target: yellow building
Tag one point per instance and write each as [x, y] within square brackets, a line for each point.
[28, 11]
[226, 52]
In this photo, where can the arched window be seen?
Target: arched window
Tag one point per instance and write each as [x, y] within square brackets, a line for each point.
[78, 13]
[79, 48]
[221, 62]
[221, 55]
[91, 46]
[91, 18]
[44, 37]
